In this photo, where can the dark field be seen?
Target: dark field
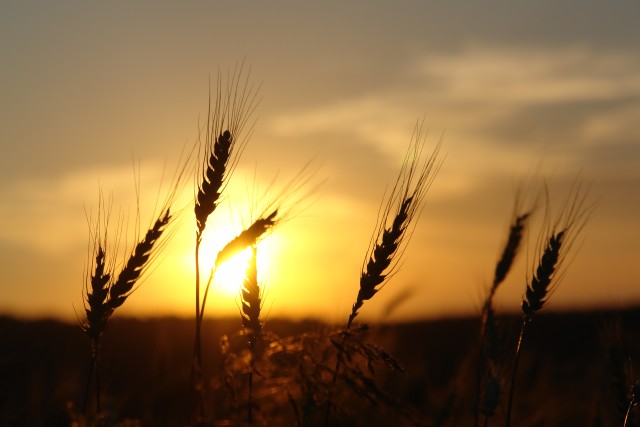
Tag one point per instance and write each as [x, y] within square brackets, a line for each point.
[571, 373]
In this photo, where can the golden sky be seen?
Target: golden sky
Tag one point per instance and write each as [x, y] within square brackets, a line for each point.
[544, 89]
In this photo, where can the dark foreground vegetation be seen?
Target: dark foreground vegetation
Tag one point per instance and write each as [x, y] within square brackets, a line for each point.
[576, 370]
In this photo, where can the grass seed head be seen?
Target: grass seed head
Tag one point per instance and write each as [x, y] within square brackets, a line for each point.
[248, 237]
[96, 310]
[210, 188]
[137, 263]
[556, 242]
[251, 300]
[539, 287]
[389, 240]
[233, 106]
[510, 251]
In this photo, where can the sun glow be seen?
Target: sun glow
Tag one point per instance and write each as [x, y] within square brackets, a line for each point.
[228, 277]
[227, 281]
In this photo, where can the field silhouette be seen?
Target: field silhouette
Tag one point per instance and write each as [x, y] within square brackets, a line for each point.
[567, 371]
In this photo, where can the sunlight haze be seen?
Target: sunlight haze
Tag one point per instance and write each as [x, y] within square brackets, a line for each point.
[99, 96]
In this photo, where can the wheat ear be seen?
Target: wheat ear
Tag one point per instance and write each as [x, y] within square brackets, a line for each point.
[247, 238]
[137, 263]
[96, 309]
[234, 103]
[388, 242]
[487, 382]
[224, 141]
[251, 300]
[103, 296]
[556, 242]
[510, 250]
[251, 306]
[391, 236]
[97, 314]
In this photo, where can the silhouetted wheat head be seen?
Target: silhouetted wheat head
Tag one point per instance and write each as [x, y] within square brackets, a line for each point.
[554, 244]
[251, 300]
[490, 357]
[510, 250]
[227, 116]
[398, 215]
[248, 237]
[232, 108]
[105, 289]
[96, 309]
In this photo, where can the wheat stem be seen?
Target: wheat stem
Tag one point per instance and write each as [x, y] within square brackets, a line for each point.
[487, 351]
[389, 240]
[556, 243]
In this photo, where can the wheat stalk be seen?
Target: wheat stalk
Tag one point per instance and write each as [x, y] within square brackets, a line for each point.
[220, 150]
[224, 141]
[391, 236]
[250, 313]
[555, 242]
[488, 360]
[389, 240]
[103, 295]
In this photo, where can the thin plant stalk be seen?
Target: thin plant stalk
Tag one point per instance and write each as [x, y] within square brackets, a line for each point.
[103, 294]
[394, 230]
[251, 306]
[555, 243]
[514, 373]
[503, 266]
[635, 399]
[220, 150]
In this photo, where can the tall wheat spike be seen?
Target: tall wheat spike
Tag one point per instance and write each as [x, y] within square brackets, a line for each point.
[389, 240]
[392, 235]
[96, 308]
[554, 244]
[250, 313]
[104, 290]
[137, 263]
[233, 106]
[103, 295]
[224, 141]
[487, 382]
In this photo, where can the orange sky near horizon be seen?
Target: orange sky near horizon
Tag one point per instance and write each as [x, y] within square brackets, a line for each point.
[516, 91]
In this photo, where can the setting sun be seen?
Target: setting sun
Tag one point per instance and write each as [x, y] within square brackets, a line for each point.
[215, 214]
[229, 276]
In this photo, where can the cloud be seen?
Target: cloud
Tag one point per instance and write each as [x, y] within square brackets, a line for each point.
[49, 215]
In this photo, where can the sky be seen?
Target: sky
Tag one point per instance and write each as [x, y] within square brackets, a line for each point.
[95, 94]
